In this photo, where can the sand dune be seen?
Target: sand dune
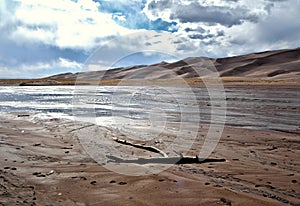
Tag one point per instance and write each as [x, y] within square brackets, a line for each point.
[280, 64]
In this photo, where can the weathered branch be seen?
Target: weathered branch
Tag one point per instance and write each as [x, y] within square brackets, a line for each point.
[148, 148]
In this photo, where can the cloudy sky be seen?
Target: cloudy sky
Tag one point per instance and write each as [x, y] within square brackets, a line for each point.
[41, 37]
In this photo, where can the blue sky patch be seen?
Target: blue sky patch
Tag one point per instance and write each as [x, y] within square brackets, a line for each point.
[129, 14]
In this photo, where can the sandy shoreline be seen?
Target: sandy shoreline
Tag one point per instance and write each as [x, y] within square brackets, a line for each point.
[43, 163]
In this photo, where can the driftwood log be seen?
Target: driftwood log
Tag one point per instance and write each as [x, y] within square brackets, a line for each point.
[163, 160]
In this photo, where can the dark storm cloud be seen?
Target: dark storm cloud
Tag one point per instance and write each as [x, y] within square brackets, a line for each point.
[183, 47]
[198, 29]
[201, 36]
[153, 5]
[220, 33]
[226, 16]
[206, 36]
[179, 41]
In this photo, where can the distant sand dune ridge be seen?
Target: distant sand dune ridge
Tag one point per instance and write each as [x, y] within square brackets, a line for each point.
[280, 64]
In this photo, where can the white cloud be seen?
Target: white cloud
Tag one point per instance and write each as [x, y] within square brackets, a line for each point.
[69, 64]
[6, 15]
[24, 34]
[96, 67]
[63, 23]
[40, 69]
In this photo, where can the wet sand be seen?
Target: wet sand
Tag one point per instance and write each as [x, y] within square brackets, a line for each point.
[43, 163]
